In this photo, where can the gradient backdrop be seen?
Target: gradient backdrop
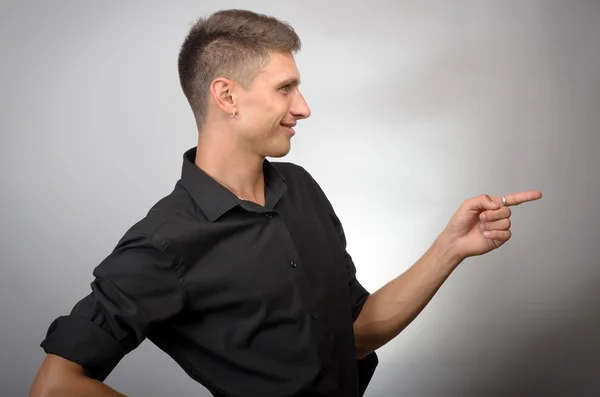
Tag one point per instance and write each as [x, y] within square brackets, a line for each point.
[416, 107]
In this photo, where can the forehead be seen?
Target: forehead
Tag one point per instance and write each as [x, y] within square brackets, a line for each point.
[281, 68]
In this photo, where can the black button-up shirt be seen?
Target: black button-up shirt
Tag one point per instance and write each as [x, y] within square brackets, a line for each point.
[248, 300]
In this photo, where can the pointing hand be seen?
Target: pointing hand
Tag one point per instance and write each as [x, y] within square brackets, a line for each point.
[482, 224]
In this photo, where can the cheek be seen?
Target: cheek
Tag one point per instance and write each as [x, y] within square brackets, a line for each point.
[263, 115]
[271, 114]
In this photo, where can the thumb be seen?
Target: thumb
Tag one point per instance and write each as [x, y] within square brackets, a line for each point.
[481, 203]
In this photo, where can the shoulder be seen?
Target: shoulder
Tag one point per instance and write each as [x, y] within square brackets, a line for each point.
[166, 219]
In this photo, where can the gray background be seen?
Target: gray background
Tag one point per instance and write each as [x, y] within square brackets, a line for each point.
[416, 107]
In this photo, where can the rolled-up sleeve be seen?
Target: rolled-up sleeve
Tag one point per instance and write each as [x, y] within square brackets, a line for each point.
[358, 293]
[137, 286]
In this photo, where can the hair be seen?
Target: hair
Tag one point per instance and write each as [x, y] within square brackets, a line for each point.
[235, 44]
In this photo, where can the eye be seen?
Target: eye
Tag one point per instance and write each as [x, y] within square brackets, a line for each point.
[286, 88]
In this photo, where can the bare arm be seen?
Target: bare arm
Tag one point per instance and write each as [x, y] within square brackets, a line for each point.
[480, 225]
[393, 307]
[60, 377]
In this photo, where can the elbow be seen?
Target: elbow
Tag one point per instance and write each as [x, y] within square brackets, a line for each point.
[362, 352]
[362, 341]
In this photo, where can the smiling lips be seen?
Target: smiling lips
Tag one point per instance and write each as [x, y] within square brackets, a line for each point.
[289, 127]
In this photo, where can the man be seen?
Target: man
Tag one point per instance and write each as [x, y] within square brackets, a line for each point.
[241, 274]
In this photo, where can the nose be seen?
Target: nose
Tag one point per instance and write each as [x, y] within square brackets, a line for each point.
[300, 108]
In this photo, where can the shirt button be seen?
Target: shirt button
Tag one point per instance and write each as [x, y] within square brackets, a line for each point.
[326, 368]
[269, 215]
[293, 264]
[313, 315]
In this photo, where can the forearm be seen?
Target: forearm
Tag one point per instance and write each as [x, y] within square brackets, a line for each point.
[394, 306]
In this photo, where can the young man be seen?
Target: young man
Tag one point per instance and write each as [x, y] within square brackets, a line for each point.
[241, 274]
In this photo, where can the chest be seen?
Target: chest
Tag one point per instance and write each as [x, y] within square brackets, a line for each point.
[281, 262]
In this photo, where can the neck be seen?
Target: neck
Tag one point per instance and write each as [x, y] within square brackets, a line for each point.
[239, 171]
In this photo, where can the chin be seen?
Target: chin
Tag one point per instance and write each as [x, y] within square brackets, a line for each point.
[277, 154]
[278, 151]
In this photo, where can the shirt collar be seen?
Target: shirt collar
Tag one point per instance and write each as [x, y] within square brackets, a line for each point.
[215, 199]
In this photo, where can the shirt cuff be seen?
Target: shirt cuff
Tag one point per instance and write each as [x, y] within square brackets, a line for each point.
[79, 340]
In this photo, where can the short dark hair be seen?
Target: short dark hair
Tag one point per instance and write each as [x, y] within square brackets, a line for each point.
[230, 43]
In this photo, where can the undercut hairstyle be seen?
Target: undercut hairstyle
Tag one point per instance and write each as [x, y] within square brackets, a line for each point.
[235, 44]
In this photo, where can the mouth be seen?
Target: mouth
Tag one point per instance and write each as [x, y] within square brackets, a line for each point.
[289, 127]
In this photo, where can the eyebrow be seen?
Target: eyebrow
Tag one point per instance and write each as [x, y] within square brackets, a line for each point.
[292, 80]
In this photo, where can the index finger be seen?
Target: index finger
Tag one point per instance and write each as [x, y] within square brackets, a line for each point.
[519, 198]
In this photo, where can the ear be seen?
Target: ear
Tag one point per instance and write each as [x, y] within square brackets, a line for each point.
[222, 92]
